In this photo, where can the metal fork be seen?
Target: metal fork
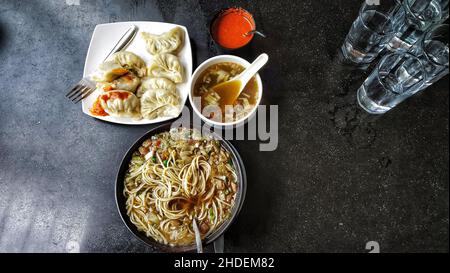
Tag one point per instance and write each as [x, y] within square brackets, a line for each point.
[198, 238]
[85, 86]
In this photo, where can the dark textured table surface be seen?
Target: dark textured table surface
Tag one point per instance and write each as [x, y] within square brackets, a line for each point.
[338, 179]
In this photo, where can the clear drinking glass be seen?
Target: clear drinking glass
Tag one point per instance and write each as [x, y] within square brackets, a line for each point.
[397, 76]
[433, 52]
[413, 19]
[368, 33]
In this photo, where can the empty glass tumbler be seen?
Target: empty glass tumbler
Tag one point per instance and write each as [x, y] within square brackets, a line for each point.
[397, 76]
[367, 35]
[433, 52]
[413, 19]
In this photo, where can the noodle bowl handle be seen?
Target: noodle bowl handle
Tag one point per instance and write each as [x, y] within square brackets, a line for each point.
[219, 244]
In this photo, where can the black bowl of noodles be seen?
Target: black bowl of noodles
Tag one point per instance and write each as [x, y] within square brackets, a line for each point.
[147, 213]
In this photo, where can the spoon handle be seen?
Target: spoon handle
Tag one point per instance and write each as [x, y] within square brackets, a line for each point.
[254, 67]
[255, 32]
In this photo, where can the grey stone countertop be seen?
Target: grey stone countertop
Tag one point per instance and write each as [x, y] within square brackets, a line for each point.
[338, 179]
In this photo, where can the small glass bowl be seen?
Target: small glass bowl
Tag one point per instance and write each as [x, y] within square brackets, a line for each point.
[224, 12]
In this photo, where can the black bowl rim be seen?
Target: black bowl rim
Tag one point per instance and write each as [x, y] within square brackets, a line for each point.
[240, 197]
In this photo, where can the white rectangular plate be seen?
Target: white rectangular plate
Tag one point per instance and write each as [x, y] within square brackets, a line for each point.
[104, 38]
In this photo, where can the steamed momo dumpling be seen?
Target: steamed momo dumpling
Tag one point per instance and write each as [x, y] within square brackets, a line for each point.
[130, 61]
[167, 66]
[155, 83]
[128, 82]
[120, 103]
[159, 103]
[167, 42]
[108, 71]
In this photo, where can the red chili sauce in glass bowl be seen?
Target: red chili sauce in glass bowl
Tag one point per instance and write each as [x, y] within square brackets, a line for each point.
[230, 26]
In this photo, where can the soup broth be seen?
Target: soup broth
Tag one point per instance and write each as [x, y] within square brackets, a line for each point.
[219, 73]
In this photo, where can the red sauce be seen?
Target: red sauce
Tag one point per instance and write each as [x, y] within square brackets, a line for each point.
[115, 95]
[108, 88]
[119, 71]
[97, 109]
[230, 26]
[128, 77]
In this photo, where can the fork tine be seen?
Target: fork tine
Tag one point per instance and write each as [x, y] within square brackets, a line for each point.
[76, 91]
[87, 93]
[80, 93]
[81, 90]
[73, 90]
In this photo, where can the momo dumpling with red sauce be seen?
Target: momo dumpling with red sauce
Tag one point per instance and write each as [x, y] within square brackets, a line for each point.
[108, 71]
[130, 61]
[127, 82]
[120, 103]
